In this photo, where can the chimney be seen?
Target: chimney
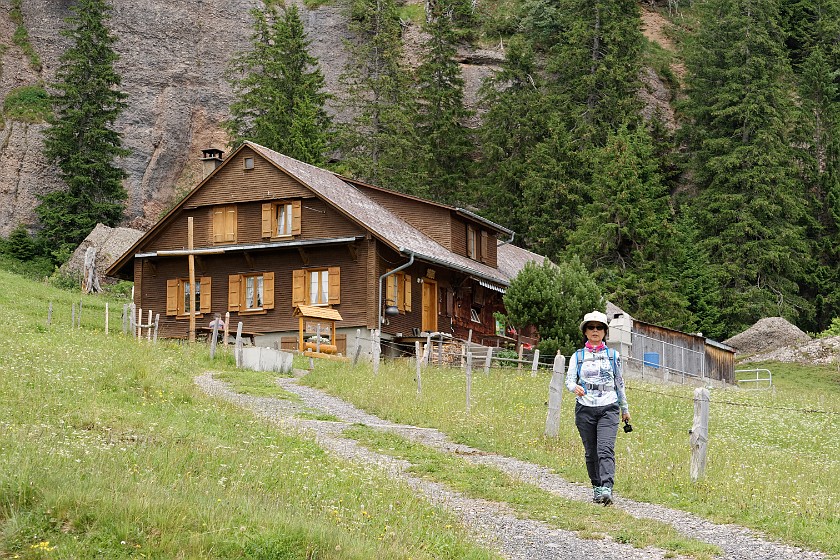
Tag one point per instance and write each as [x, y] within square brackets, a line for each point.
[211, 158]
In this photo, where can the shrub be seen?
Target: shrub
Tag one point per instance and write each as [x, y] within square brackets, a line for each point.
[28, 104]
[832, 330]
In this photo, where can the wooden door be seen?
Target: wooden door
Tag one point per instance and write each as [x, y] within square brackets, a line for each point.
[430, 305]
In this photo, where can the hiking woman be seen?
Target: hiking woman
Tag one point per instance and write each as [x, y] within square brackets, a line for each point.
[594, 375]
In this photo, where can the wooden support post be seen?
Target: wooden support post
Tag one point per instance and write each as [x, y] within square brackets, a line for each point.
[214, 337]
[131, 319]
[106, 318]
[555, 395]
[49, 315]
[157, 323]
[699, 433]
[191, 259]
[227, 331]
[469, 380]
[237, 351]
[463, 356]
[536, 363]
[427, 352]
[489, 360]
[139, 323]
[418, 357]
[149, 327]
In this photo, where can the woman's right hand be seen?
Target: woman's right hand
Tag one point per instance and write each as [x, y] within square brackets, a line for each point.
[579, 391]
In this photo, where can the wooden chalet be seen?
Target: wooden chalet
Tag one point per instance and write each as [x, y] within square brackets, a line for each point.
[272, 234]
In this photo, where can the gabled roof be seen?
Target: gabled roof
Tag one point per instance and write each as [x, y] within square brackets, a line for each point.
[356, 206]
[511, 259]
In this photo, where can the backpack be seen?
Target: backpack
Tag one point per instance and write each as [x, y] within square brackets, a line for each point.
[611, 355]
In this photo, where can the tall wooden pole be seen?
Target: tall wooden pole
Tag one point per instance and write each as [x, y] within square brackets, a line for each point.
[192, 277]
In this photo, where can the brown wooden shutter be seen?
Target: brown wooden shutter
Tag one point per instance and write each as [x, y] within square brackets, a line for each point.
[335, 284]
[407, 290]
[230, 223]
[204, 294]
[390, 289]
[298, 287]
[268, 290]
[471, 248]
[266, 220]
[172, 297]
[234, 281]
[218, 225]
[485, 251]
[296, 213]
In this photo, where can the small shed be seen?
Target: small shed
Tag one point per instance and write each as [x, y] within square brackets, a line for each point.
[317, 329]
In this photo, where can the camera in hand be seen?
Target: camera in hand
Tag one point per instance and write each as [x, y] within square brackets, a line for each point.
[627, 427]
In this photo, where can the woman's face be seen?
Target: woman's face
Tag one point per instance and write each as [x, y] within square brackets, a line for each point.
[594, 333]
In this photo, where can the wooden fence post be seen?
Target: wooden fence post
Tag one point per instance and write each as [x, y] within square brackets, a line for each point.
[139, 323]
[238, 348]
[699, 433]
[80, 314]
[555, 396]
[227, 331]
[536, 363]
[469, 380]
[358, 346]
[157, 322]
[427, 352]
[214, 335]
[106, 318]
[73, 317]
[376, 333]
[489, 360]
[125, 318]
[149, 326]
[519, 363]
[418, 357]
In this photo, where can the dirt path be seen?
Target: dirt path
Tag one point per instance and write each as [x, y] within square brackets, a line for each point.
[494, 524]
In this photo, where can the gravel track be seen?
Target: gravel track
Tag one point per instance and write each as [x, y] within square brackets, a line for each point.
[493, 524]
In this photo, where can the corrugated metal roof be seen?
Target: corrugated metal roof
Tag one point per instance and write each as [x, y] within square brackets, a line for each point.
[379, 220]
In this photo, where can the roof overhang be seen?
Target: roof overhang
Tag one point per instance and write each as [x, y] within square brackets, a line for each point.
[494, 283]
[251, 247]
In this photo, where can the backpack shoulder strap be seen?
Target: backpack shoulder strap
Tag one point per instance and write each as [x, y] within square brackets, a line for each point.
[580, 355]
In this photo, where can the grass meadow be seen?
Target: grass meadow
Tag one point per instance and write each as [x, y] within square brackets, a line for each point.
[773, 456]
[108, 450]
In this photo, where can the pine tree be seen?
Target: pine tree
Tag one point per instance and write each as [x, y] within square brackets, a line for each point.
[751, 208]
[279, 89]
[380, 143]
[82, 140]
[445, 139]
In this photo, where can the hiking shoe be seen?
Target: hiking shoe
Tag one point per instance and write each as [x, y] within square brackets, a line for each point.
[606, 496]
[597, 494]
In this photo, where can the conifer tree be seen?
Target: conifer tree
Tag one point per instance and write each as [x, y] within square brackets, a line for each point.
[279, 89]
[750, 211]
[82, 140]
[442, 133]
[380, 143]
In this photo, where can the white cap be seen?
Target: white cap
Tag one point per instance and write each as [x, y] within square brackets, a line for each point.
[594, 317]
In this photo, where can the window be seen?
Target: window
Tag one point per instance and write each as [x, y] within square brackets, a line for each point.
[316, 286]
[477, 244]
[398, 291]
[475, 314]
[251, 293]
[281, 219]
[178, 296]
[248, 162]
[224, 224]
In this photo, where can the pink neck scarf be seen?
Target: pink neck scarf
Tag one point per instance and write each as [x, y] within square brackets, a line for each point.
[591, 348]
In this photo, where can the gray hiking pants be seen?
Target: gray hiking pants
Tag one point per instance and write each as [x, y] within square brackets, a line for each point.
[598, 426]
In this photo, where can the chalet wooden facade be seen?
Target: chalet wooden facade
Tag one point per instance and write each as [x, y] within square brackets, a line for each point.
[272, 233]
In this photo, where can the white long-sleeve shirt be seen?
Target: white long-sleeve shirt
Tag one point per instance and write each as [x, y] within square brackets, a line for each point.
[597, 370]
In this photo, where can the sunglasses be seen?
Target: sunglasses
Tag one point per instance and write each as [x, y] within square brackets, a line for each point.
[595, 327]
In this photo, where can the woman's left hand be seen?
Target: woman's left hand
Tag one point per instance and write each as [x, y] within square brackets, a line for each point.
[625, 416]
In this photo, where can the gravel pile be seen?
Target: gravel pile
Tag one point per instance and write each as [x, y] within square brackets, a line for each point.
[494, 524]
[767, 334]
[817, 351]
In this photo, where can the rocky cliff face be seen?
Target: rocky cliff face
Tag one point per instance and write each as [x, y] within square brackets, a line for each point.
[172, 58]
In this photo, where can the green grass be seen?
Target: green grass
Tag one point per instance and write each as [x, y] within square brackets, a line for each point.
[479, 481]
[770, 469]
[254, 383]
[109, 450]
[28, 104]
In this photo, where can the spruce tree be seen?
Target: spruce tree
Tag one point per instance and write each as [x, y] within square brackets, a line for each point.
[380, 143]
[751, 210]
[82, 140]
[279, 89]
[442, 133]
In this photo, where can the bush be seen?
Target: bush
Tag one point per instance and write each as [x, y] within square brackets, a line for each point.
[832, 330]
[28, 104]
[19, 245]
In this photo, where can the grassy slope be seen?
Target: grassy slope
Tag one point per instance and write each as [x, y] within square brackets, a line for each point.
[768, 468]
[107, 450]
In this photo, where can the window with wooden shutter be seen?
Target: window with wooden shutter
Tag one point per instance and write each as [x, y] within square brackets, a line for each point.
[398, 291]
[281, 219]
[472, 243]
[204, 294]
[268, 290]
[224, 224]
[178, 296]
[334, 285]
[407, 293]
[485, 250]
[172, 297]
